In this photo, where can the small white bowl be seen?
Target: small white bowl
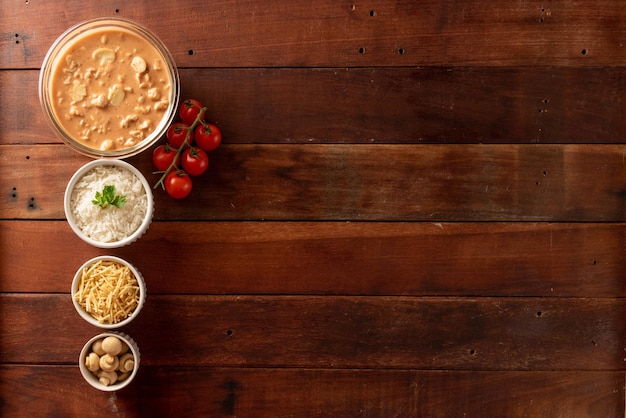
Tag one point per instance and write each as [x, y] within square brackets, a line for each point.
[92, 379]
[68, 204]
[86, 315]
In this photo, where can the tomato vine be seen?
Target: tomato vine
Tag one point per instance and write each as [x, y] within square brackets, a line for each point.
[191, 150]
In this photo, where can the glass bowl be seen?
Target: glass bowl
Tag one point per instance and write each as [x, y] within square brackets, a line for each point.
[109, 88]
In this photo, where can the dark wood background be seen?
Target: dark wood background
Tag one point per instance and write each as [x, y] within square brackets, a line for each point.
[418, 210]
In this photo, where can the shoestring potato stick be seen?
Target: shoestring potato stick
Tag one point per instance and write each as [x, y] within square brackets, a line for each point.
[108, 291]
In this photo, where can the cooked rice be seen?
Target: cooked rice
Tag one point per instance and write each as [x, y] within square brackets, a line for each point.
[110, 224]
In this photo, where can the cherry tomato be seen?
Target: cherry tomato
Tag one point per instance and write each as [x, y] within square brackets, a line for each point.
[178, 184]
[176, 134]
[189, 111]
[194, 161]
[163, 156]
[207, 136]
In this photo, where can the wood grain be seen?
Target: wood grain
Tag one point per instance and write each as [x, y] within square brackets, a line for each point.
[261, 392]
[290, 33]
[377, 105]
[348, 183]
[335, 258]
[438, 333]
[418, 210]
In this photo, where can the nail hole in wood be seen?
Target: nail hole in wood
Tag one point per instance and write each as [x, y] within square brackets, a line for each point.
[361, 50]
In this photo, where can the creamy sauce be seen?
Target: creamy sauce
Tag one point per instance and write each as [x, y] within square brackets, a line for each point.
[110, 89]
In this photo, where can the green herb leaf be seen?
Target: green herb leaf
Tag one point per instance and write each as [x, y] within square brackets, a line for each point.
[108, 197]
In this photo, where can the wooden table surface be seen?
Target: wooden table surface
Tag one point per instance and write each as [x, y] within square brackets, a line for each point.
[417, 211]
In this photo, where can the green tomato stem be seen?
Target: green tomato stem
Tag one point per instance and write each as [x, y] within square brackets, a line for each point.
[180, 150]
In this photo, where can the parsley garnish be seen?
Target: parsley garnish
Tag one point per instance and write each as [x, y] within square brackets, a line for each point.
[108, 197]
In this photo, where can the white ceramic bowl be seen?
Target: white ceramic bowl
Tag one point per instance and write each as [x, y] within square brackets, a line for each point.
[75, 224]
[86, 315]
[92, 379]
[162, 74]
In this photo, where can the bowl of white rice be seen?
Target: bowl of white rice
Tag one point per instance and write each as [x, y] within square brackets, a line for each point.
[108, 203]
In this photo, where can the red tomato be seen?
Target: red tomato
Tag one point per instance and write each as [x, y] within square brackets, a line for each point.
[177, 133]
[194, 161]
[178, 184]
[163, 157]
[189, 111]
[207, 136]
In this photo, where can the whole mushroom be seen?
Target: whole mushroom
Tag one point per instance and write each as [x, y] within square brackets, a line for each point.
[107, 378]
[96, 347]
[125, 347]
[92, 361]
[126, 362]
[109, 363]
[112, 345]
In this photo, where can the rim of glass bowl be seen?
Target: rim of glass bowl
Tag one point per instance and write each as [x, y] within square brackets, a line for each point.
[67, 204]
[51, 60]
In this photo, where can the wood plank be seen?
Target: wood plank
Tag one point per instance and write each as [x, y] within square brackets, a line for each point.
[421, 256]
[292, 33]
[437, 333]
[368, 182]
[191, 391]
[335, 258]
[379, 105]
